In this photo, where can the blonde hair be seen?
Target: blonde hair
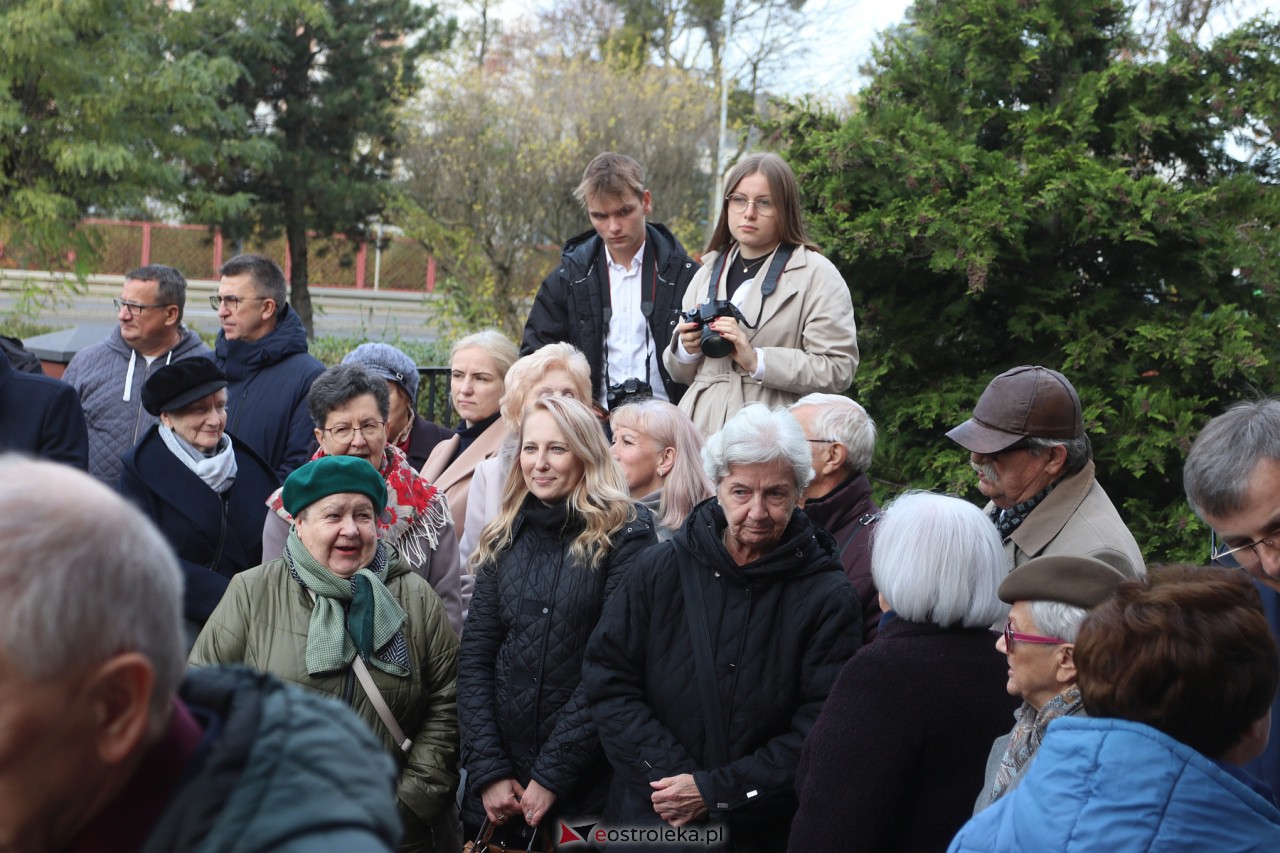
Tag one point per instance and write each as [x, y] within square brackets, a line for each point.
[686, 484]
[599, 499]
[526, 373]
[497, 345]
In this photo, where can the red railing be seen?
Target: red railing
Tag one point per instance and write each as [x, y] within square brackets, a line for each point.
[394, 263]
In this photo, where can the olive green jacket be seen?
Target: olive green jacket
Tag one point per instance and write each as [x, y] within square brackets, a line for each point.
[262, 623]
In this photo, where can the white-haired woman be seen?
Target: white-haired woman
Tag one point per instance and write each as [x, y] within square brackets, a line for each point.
[706, 673]
[660, 453]
[1050, 598]
[892, 761]
[478, 366]
[561, 544]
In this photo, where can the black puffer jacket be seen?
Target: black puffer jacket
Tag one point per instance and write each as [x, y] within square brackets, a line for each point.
[520, 701]
[781, 628]
[570, 303]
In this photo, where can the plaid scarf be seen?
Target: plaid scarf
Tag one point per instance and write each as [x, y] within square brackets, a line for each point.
[414, 506]
[356, 614]
[1029, 732]
[1007, 520]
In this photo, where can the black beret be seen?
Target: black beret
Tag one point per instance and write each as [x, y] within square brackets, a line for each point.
[1079, 581]
[175, 385]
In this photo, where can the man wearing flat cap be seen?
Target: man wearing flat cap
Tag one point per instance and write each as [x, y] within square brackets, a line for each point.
[1027, 443]
[1050, 597]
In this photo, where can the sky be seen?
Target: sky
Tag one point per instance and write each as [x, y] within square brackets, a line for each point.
[839, 35]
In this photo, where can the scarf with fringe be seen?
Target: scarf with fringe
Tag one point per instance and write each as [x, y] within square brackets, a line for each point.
[414, 507]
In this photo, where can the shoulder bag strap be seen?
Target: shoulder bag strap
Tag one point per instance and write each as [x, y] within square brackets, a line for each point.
[375, 698]
[700, 633]
[863, 523]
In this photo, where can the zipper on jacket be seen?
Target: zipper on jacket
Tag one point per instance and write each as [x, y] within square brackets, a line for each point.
[225, 500]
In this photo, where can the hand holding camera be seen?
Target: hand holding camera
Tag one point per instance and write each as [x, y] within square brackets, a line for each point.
[714, 328]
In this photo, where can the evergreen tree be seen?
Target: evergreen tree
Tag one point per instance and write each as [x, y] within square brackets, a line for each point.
[1021, 186]
[308, 141]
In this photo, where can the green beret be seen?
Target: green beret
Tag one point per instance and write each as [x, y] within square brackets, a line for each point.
[332, 475]
[1079, 581]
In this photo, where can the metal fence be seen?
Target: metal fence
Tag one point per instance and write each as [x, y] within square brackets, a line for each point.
[389, 263]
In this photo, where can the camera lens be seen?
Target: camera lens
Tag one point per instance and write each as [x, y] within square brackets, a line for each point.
[713, 345]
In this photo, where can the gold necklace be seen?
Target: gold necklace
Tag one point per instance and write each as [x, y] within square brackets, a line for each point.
[747, 267]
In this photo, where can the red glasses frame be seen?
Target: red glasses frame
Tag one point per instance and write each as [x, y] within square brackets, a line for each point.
[1010, 635]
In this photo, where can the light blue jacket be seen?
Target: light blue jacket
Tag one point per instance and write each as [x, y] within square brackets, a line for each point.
[1113, 785]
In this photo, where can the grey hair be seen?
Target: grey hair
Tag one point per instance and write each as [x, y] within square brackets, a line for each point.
[848, 423]
[1079, 450]
[1057, 619]
[171, 285]
[79, 588]
[1225, 454]
[344, 382]
[939, 560]
[497, 345]
[757, 435]
[268, 278]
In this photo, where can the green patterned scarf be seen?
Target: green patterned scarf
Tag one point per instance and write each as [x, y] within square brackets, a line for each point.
[371, 622]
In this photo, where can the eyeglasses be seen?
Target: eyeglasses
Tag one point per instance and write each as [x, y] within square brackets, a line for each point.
[136, 308]
[1010, 635]
[232, 302]
[1242, 556]
[344, 434]
[822, 441]
[739, 204]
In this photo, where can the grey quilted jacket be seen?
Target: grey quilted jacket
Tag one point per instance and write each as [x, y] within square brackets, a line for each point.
[109, 376]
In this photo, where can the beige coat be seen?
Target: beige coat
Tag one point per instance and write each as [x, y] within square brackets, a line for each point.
[455, 479]
[806, 330]
[1077, 519]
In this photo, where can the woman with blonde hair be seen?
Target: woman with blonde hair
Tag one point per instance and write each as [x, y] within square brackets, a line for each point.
[793, 332]
[660, 453]
[478, 366]
[565, 533]
[555, 370]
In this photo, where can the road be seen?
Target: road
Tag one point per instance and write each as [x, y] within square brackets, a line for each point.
[338, 312]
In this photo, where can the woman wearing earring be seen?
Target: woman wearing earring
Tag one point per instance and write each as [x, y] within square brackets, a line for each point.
[794, 333]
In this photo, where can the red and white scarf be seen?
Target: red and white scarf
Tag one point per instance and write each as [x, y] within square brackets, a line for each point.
[414, 506]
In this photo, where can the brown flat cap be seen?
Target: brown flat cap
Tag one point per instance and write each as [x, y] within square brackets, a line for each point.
[1028, 401]
[1078, 581]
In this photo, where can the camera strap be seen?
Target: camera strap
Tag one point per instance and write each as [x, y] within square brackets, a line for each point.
[781, 256]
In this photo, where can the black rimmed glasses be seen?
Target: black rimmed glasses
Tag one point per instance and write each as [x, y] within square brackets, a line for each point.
[1010, 635]
[345, 434]
[739, 203]
[136, 308]
[822, 441]
[232, 302]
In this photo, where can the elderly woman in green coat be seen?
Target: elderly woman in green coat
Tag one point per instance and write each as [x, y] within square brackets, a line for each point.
[342, 610]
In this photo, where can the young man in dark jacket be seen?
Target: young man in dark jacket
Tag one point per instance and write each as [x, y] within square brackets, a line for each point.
[617, 292]
[262, 349]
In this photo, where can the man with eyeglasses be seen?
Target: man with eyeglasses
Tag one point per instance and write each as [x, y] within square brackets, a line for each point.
[842, 438]
[109, 375]
[262, 348]
[1232, 481]
[1027, 444]
[616, 294]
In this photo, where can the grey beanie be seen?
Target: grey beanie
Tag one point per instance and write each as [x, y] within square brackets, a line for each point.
[389, 363]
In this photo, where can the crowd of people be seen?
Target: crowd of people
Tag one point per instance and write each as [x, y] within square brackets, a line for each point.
[639, 596]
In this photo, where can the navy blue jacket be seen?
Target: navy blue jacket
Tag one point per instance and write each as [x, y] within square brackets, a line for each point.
[42, 416]
[267, 392]
[214, 538]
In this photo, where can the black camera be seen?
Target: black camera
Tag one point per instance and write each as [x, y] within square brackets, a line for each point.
[627, 391]
[712, 344]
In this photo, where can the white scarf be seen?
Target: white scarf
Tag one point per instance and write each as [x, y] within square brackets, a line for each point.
[218, 471]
